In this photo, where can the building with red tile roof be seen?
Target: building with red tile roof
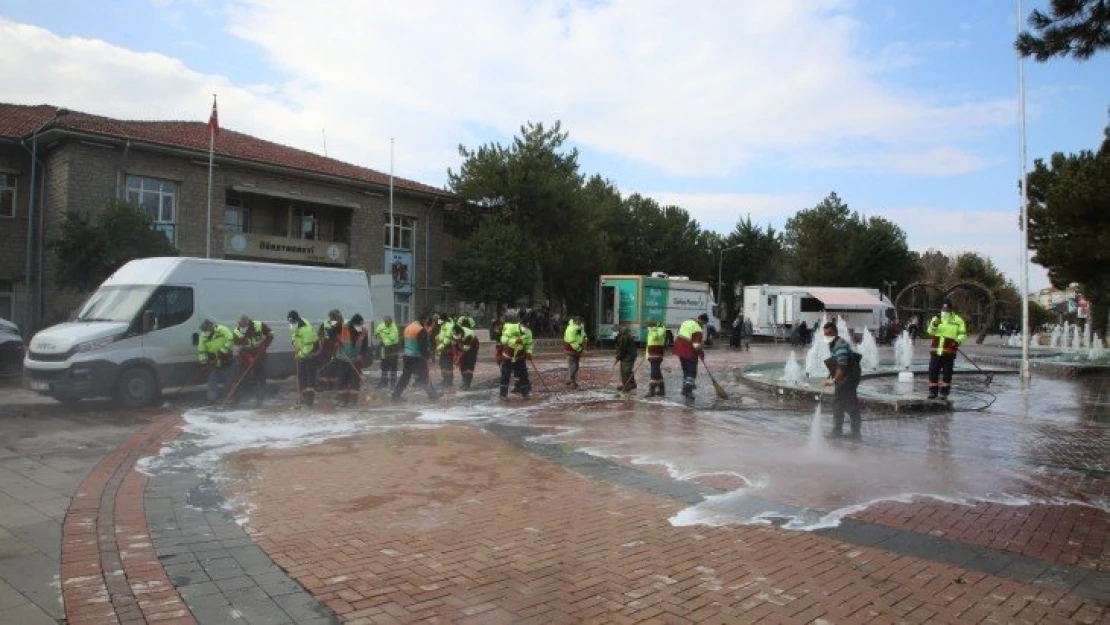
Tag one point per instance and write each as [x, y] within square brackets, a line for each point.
[269, 202]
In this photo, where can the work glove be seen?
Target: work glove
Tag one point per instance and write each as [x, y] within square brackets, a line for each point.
[528, 356]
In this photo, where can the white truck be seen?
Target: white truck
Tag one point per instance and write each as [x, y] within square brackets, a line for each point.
[634, 300]
[775, 310]
[136, 334]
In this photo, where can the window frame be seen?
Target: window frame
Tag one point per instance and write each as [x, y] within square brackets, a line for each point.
[14, 188]
[401, 225]
[157, 222]
[238, 205]
[296, 223]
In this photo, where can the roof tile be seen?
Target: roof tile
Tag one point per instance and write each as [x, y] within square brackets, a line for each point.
[18, 121]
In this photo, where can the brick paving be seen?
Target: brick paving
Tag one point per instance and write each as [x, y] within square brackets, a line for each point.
[110, 573]
[456, 525]
[1071, 535]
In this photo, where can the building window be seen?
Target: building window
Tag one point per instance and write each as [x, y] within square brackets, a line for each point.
[403, 231]
[237, 216]
[7, 300]
[304, 224]
[7, 194]
[158, 201]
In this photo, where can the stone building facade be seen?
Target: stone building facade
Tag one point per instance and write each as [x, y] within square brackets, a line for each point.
[270, 203]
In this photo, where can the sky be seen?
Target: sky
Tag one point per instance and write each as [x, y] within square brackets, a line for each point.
[906, 109]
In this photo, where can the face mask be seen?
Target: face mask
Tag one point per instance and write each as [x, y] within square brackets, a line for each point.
[205, 335]
[828, 339]
[292, 327]
[358, 328]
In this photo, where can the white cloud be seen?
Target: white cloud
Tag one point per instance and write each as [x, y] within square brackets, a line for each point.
[940, 161]
[721, 211]
[699, 89]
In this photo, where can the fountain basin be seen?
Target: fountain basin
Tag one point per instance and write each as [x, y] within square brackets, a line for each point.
[766, 377]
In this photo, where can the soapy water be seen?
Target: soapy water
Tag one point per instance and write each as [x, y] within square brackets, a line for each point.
[789, 474]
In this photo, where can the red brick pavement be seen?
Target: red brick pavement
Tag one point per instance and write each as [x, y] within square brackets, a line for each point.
[455, 525]
[110, 572]
[1071, 535]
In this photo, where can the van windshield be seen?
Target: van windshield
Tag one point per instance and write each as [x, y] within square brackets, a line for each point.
[114, 303]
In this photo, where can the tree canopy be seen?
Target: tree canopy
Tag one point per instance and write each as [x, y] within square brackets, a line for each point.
[1069, 222]
[529, 217]
[492, 266]
[92, 246]
[831, 245]
[1076, 28]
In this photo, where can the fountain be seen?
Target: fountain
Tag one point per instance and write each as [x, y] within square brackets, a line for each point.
[1097, 351]
[903, 357]
[818, 353]
[792, 373]
[844, 332]
[1073, 343]
[869, 351]
[1014, 341]
[1056, 339]
[1087, 328]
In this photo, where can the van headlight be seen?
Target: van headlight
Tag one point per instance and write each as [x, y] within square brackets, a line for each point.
[92, 346]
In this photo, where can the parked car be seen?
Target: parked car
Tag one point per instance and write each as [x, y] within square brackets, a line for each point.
[11, 347]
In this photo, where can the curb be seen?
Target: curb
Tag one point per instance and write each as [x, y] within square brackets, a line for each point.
[110, 573]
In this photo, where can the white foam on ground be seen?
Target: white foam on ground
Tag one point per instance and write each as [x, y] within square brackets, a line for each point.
[209, 435]
[713, 511]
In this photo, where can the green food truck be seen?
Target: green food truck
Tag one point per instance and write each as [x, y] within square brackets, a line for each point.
[635, 300]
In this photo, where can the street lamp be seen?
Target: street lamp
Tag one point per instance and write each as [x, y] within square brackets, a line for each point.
[720, 279]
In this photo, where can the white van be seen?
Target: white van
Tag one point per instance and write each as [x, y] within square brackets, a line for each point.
[135, 336]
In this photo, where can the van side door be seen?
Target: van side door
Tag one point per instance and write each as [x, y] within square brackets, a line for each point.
[167, 325]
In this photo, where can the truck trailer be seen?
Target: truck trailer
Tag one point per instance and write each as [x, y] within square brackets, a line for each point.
[775, 310]
[634, 300]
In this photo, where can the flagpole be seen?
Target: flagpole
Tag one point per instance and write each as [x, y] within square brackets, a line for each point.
[1023, 187]
[211, 159]
[392, 226]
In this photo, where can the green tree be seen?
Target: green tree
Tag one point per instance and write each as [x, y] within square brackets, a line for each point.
[533, 184]
[757, 260]
[973, 267]
[1069, 223]
[829, 245]
[92, 246]
[488, 266]
[1076, 28]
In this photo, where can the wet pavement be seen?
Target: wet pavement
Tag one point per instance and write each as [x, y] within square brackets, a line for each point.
[1012, 484]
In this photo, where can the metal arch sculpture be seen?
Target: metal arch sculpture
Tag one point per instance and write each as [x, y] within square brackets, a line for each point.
[947, 290]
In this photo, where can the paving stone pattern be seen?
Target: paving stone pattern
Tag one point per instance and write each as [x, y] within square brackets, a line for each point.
[455, 525]
[220, 573]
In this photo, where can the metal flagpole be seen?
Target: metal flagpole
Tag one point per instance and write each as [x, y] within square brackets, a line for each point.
[1022, 186]
[392, 226]
[211, 159]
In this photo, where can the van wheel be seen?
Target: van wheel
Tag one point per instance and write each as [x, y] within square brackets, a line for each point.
[136, 387]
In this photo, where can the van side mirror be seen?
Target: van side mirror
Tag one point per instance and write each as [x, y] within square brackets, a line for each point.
[196, 339]
[149, 322]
